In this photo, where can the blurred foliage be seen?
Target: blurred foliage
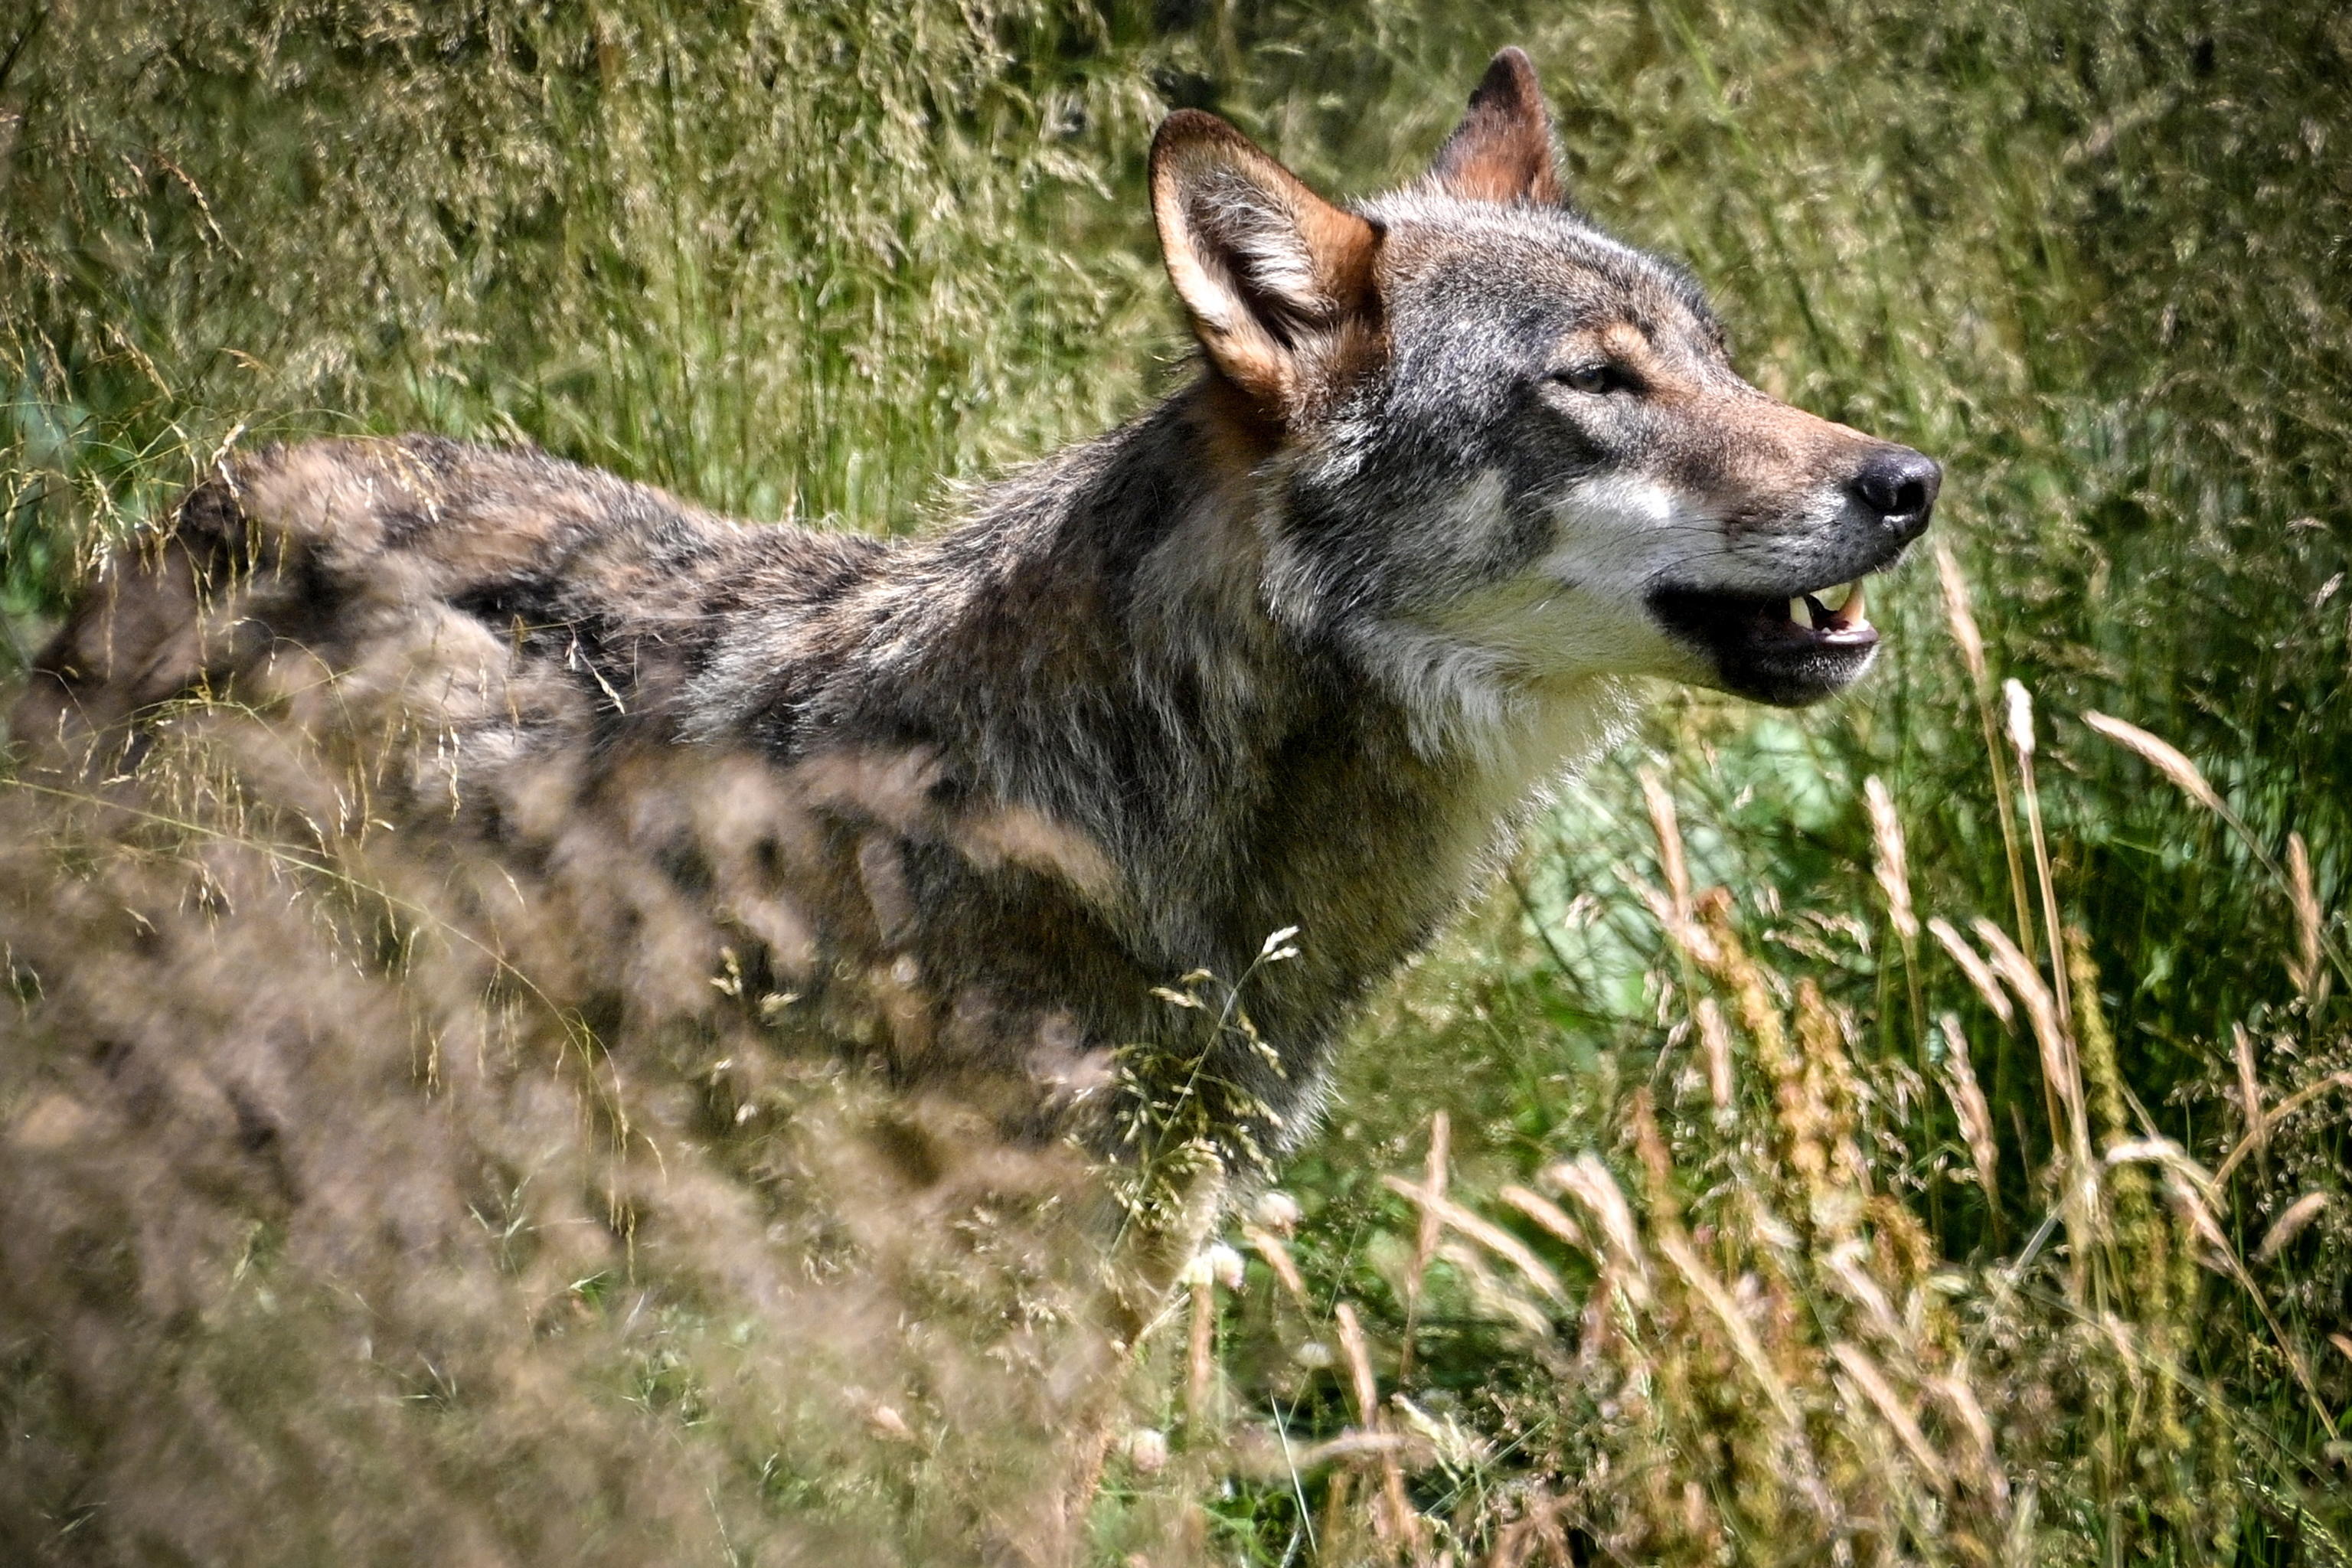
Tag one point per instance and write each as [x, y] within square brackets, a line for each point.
[813, 260]
[784, 257]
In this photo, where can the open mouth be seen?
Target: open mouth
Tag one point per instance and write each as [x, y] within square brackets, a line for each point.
[1786, 651]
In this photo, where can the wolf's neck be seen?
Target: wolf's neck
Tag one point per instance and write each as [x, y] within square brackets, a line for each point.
[1127, 677]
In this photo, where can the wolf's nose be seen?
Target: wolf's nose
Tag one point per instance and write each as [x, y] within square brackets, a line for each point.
[1900, 486]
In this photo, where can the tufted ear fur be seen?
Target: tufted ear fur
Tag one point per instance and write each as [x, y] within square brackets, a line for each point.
[1502, 150]
[1272, 276]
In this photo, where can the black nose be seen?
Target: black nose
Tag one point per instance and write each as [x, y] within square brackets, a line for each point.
[1900, 486]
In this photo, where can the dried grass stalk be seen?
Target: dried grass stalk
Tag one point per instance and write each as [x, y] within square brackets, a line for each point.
[1361, 1381]
[2312, 940]
[1979, 973]
[1545, 1214]
[1200, 1359]
[1494, 1298]
[1441, 1138]
[1843, 1265]
[1395, 1520]
[1894, 866]
[1715, 1046]
[1588, 1180]
[1686, 934]
[1960, 616]
[1667, 825]
[2163, 756]
[2306, 971]
[1658, 1165]
[1959, 613]
[1969, 1108]
[1270, 1247]
[1735, 1328]
[2017, 706]
[1984, 1468]
[1892, 1410]
[2058, 1064]
[1484, 1232]
[2249, 1085]
[2021, 736]
[2278, 1113]
[2290, 1225]
[1353, 1445]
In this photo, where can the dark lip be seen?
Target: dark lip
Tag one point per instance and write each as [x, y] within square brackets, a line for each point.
[1758, 652]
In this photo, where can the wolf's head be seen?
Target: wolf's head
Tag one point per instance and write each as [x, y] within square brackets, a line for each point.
[1506, 450]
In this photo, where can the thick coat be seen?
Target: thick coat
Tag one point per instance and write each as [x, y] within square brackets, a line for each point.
[1294, 652]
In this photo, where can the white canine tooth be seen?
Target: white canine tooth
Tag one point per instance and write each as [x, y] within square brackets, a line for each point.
[1853, 614]
[1833, 599]
[1801, 613]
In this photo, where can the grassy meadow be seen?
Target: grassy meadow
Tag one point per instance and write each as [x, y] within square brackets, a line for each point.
[1913, 1131]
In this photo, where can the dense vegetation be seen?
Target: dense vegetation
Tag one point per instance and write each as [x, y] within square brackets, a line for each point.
[1784, 1224]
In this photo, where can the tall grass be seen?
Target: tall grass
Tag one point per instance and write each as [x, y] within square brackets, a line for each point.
[2002, 1219]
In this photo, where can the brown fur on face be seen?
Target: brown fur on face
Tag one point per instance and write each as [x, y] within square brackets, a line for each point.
[1747, 458]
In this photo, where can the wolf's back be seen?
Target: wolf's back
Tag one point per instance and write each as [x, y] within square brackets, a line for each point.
[492, 564]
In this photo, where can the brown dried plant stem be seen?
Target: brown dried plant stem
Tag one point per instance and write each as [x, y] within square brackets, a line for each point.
[1395, 1520]
[1894, 871]
[1201, 1357]
[1441, 1138]
[1960, 616]
[2021, 739]
[1674, 864]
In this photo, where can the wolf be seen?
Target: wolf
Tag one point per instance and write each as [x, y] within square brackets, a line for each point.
[1084, 825]
[1299, 649]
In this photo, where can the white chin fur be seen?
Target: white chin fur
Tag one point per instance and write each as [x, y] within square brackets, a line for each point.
[1501, 675]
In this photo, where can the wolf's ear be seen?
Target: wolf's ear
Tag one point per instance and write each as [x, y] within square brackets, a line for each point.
[1502, 150]
[1271, 273]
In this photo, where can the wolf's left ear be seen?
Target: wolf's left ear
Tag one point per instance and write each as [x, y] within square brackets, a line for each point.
[1502, 150]
[1271, 273]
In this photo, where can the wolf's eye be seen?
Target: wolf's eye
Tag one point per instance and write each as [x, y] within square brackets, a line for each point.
[1595, 378]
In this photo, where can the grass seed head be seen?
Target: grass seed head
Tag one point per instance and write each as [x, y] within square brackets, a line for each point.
[2163, 756]
[1893, 866]
[2306, 968]
[2290, 1223]
[1971, 963]
[1970, 1109]
[1960, 615]
[2017, 704]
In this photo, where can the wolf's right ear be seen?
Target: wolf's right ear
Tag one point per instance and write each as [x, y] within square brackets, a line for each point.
[1271, 273]
[1502, 150]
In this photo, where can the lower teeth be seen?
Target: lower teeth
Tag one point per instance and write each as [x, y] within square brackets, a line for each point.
[1837, 609]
